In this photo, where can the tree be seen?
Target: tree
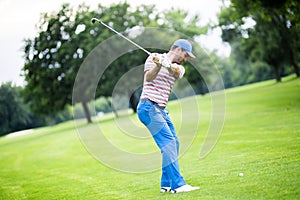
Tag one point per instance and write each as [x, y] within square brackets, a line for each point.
[274, 35]
[14, 115]
[53, 58]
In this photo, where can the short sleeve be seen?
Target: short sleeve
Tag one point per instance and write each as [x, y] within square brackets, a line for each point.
[149, 64]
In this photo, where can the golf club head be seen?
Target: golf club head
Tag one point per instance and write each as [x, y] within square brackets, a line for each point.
[93, 20]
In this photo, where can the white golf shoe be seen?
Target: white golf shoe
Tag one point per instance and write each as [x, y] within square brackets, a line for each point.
[184, 188]
[165, 189]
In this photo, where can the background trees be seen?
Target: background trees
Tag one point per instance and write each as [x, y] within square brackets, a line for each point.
[14, 114]
[264, 33]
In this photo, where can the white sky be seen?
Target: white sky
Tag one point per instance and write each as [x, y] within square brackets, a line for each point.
[18, 19]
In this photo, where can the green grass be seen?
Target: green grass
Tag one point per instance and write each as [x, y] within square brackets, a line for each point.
[260, 138]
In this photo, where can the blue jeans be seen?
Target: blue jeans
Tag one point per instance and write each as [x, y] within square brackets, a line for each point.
[163, 132]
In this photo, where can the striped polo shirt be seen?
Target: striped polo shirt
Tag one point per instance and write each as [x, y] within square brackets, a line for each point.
[159, 89]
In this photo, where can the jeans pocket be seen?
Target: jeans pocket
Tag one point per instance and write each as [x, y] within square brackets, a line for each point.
[143, 111]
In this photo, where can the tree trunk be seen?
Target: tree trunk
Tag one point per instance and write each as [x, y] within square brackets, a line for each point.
[296, 69]
[86, 112]
[277, 73]
[112, 108]
[295, 66]
[200, 85]
[114, 111]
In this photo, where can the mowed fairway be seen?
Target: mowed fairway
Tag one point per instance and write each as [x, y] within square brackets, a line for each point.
[260, 138]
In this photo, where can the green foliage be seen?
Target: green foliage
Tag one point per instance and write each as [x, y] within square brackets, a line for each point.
[260, 138]
[55, 55]
[260, 71]
[13, 113]
[182, 22]
[273, 36]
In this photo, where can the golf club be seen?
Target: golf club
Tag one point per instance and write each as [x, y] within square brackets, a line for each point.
[110, 28]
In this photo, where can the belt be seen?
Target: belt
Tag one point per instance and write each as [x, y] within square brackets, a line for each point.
[153, 102]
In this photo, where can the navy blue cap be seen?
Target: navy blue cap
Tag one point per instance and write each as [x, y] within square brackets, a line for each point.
[185, 45]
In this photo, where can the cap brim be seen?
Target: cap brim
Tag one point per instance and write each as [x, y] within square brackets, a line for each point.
[191, 56]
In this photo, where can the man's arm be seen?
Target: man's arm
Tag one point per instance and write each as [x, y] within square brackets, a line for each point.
[151, 75]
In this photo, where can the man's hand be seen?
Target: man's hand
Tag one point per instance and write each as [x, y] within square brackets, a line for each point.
[156, 59]
[161, 60]
[164, 61]
[175, 70]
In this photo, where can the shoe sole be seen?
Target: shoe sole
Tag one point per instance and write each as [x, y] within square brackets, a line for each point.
[164, 190]
[175, 192]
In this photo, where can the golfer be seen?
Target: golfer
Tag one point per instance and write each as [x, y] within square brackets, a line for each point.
[160, 73]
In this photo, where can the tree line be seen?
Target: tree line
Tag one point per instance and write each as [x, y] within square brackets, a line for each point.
[267, 48]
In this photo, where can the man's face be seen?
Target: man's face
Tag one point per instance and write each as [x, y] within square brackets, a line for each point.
[181, 56]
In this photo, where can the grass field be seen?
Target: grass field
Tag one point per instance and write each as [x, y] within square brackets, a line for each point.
[260, 138]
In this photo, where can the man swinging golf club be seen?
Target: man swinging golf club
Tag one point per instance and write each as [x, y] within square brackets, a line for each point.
[160, 73]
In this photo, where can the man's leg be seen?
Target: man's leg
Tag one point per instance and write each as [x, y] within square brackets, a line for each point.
[165, 180]
[172, 129]
[170, 159]
[168, 144]
[155, 121]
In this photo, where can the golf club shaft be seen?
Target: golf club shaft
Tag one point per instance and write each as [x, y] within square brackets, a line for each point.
[110, 28]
